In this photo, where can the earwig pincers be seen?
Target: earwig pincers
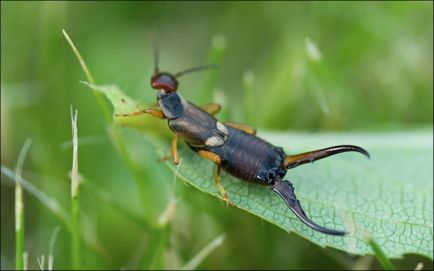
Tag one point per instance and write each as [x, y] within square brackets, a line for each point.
[233, 147]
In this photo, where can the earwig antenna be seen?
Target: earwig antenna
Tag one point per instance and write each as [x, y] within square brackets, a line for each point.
[156, 58]
[195, 69]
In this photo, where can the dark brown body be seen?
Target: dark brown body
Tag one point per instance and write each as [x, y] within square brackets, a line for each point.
[239, 151]
[243, 155]
[249, 157]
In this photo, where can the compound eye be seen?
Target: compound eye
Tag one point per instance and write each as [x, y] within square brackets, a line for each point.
[164, 81]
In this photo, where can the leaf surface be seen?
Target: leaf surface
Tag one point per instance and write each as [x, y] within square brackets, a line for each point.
[388, 198]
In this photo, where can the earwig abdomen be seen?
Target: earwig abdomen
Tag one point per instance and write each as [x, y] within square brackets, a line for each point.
[249, 157]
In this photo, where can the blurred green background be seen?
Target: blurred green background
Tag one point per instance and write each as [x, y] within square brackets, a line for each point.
[285, 66]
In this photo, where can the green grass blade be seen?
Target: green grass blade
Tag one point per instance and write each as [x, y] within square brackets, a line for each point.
[100, 99]
[41, 262]
[49, 202]
[19, 209]
[52, 204]
[53, 239]
[196, 260]
[381, 257]
[19, 228]
[75, 203]
[162, 233]
[115, 135]
[158, 247]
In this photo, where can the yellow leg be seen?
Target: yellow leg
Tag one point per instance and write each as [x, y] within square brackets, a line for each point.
[211, 108]
[154, 112]
[217, 160]
[173, 151]
[245, 128]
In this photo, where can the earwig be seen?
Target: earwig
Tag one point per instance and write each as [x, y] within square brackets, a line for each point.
[233, 147]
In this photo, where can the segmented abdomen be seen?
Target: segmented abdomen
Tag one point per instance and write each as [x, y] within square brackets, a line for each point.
[250, 158]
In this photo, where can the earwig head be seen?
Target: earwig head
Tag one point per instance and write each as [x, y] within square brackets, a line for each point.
[165, 81]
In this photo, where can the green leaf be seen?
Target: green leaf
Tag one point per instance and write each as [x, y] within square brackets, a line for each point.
[388, 198]
[124, 104]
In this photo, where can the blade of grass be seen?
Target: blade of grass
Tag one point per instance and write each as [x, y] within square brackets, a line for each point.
[158, 246]
[26, 260]
[100, 99]
[167, 216]
[381, 257]
[75, 203]
[116, 137]
[19, 208]
[162, 234]
[52, 205]
[196, 260]
[53, 239]
[41, 262]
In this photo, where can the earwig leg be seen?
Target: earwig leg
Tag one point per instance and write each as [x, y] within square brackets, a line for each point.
[173, 151]
[245, 128]
[154, 112]
[285, 190]
[164, 158]
[211, 108]
[220, 187]
[292, 161]
[210, 156]
[217, 160]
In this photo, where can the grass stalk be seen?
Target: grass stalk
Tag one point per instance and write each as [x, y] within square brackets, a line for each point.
[163, 231]
[115, 133]
[100, 99]
[51, 204]
[19, 228]
[41, 262]
[19, 209]
[381, 257]
[75, 203]
[158, 247]
[26, 260]
[196, 260]
[51, 247]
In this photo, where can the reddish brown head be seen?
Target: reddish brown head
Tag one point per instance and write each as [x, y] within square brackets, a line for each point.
[164, 81]
[168, 82]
